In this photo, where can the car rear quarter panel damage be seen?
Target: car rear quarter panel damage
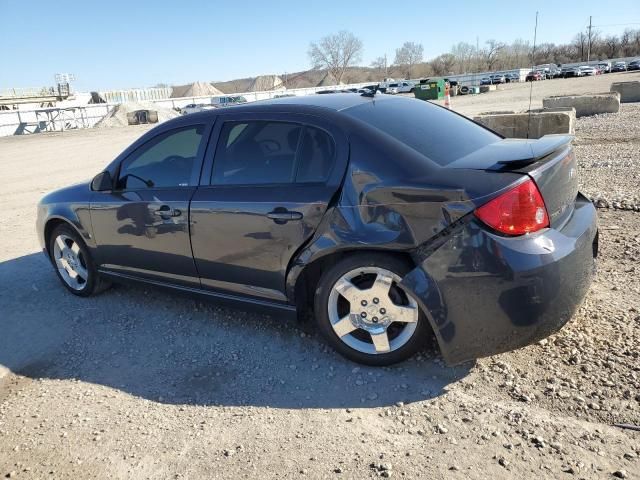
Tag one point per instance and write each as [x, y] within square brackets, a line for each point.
[487, 294]
[483, 293]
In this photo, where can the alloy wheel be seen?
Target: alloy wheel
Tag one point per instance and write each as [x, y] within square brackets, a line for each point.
[70, 262]
[370, 313]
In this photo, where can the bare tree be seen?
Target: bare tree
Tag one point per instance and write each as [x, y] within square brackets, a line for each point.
[408, 55]
[635, 36]
[580, 45]
[611, 46]
[463, 52]
[518, 52]
[625, 42]
[545, 53]
[381, 64]
[443, 64]
[491, 53]
[336, 53]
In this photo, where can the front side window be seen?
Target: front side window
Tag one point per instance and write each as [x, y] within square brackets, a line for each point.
[166, 161]
[256, 152]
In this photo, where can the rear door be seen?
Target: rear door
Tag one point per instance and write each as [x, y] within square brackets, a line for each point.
[262, 197]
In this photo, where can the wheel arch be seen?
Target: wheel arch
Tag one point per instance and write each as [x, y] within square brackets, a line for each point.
[303, 278]
[51, 224]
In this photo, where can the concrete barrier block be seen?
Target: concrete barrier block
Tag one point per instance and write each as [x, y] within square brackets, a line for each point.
[590, 104]
[487, 88]
[541, 123]
[629, 91]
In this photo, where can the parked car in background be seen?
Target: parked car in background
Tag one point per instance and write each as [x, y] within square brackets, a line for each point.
[512, 77]
[534, 76]
[568, 72]
[588, 70]
[485, 81]
[382, 86]
[549, 70]
[228, 100]
[634, 65]
[195, 108]
[605, 67]
[498, 78]
[555, 72]
[619, 67]
[545, 72]
[369, 89]
[392, 88]
[297, 205]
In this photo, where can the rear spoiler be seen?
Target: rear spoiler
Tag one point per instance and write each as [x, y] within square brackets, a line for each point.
[512, 153]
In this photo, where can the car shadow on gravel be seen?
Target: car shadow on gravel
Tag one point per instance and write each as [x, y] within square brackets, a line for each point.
[177, 350]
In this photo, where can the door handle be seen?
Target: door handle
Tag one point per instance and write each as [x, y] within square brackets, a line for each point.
[283, 215]
[167, 211]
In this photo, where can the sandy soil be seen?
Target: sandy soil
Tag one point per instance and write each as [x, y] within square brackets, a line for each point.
[136, 383]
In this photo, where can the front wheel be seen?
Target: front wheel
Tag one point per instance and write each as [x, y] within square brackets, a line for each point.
[72, 261]
[364, 313]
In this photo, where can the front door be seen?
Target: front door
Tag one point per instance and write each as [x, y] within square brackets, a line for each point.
[271, 181]
[141, 228]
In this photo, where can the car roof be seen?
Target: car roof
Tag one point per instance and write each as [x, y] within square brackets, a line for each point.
[331, 102]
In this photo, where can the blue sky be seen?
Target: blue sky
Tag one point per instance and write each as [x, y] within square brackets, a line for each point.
[121, 44]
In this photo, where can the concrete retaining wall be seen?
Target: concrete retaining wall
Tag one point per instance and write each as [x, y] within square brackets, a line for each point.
[543, 122]
[590, 104]
[629, 91]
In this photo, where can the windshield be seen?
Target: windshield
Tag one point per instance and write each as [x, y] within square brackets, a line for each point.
[438, 134]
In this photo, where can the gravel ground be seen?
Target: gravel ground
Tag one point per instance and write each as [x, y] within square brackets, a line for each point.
[137, 384]
[515, 96]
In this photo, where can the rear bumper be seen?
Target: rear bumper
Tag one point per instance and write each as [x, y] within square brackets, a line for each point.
[485, 294]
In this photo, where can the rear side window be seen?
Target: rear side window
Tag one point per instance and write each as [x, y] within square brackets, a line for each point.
[436, 133]
[254, 153]
[263, 153]
[315, 157]
[166, 161]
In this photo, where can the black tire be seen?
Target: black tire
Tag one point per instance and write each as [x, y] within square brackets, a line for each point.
[94, 284]
[394, 264]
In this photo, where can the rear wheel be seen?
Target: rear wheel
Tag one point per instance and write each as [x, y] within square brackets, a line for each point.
[72, 261]
[365, 315]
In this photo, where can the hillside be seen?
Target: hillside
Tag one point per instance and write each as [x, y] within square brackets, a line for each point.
[312, 78]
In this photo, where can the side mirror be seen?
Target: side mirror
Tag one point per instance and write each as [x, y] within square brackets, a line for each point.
[102, 182]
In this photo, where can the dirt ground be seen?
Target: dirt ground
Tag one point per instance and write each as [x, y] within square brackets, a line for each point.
[515, 96]
[136, 383]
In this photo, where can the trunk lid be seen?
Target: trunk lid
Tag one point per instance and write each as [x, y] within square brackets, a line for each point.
[550, 161]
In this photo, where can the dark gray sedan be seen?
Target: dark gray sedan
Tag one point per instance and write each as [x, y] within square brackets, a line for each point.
[385, 219]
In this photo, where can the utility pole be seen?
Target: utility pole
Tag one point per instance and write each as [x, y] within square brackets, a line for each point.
[589, 47]
[477, 69]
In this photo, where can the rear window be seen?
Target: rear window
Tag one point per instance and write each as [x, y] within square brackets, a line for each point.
[436, 133]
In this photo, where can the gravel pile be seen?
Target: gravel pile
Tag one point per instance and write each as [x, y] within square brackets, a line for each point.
[118, 116]
[608, 151]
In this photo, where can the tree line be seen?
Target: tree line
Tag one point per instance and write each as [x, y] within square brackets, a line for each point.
[338, 52]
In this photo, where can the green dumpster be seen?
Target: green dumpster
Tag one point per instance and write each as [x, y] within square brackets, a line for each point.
[430, 89]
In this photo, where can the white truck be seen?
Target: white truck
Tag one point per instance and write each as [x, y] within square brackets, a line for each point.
[403, 86]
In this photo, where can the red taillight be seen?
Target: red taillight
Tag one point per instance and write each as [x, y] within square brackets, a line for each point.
[516, 212]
